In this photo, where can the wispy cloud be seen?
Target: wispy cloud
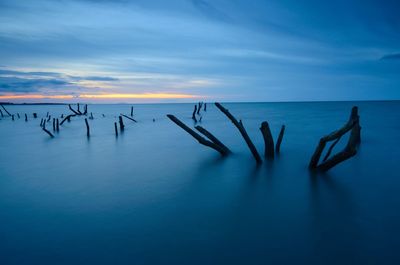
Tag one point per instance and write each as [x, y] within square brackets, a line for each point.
[394, 56]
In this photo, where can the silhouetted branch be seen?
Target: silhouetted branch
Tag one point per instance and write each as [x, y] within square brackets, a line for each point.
[212, 138]
[195, 135]
[242, 131]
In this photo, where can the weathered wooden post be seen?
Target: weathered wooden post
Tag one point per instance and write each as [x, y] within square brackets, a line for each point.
[12, 117]
[18, 115]
[194, 113]
[34, 115]
[1, 113]
[116, 128]
[121, 123]
[57, 125]
[54, 124]
[87, 128]
[26, 117]
[268, 140]
[131, 111]
[280, 137]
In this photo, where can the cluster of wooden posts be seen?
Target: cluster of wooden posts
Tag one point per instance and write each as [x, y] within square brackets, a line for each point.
[270, 149]
[352, 126]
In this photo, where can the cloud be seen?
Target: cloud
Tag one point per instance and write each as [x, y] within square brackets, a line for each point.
[25, 81]
[394, 56]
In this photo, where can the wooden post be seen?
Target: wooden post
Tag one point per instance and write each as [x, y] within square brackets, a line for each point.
[131, 111]
[195, 135]
[57, 125]
[12, 117]
[54, 124]
[35, 115]
[205, 107]
[116, 129]
[242, 130]
[18, 115]
[268, 140]
[87, 128]
[121, 123]
[1, 113]
[280, 137]
[91, 116]
[48, 119]
[194, 113]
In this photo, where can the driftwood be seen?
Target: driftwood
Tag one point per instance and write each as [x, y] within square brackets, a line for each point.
[279, 141]
[87, 128]
[5, 110]
[212, 138]
[74, 111]
[268, 140]
[198, 137]
[44, 129]
[353, 125]
[242, 130]
[121, 123]
[68, 117]
[129, 118]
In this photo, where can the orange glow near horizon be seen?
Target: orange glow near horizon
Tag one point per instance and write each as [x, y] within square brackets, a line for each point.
[102, 96]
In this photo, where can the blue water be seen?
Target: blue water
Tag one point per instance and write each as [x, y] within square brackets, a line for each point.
[155, 196]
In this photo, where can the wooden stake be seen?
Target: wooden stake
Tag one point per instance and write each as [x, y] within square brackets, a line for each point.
[116, 129]
[87, 128]
[268, 140]
[121, 123]
[280, 137]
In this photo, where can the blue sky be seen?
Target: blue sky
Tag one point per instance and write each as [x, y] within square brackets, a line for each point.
[190, 50]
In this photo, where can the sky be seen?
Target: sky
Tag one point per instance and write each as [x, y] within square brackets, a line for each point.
[198, 50]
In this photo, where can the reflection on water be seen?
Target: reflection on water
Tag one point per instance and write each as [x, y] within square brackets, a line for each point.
[153, 195]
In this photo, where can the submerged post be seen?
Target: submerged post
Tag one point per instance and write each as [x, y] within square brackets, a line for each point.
[131, 111]
[87, 128]
[268, 140]
[57, 125]
[116, 128]
[280, 137]
[121, 123]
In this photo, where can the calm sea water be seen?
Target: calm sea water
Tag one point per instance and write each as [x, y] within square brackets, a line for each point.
[155, 196]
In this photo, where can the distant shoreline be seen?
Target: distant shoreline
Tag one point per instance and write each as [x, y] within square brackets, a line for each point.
[194, 102]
